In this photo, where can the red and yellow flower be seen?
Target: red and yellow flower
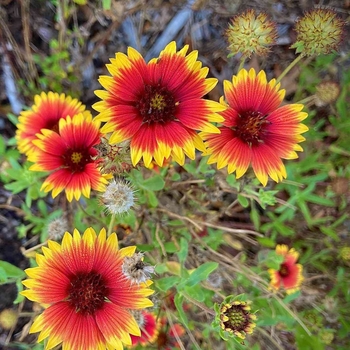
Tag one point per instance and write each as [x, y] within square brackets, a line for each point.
[87, 298]
[149, 325]
[289, 275]
[257, 131]
[46, 112]
[158, 106]
[69, 155]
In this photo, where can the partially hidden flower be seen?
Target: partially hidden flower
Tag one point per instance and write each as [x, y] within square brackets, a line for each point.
[250, 33]
[169, 335]
[47, 110]
[289, 275]
[68, 155]
[159, 105]
[118, 197]
[149, 324]
[256, 131]
[236, 318]
[87, 299]
[319, 31]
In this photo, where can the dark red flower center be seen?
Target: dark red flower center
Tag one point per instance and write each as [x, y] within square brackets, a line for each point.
[76, 160]
[284, 270]
[87, 292]
[251, 127]
[52, 125]
[156, 105]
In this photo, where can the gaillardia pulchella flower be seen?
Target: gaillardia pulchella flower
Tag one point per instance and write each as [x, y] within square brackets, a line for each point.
[46, 112]
[249, 33]
[289, 275]
[235, 317]
[256, 130]
[149, 324]
[87, 298]
[158, 106]
[319, 31]
[68, 155]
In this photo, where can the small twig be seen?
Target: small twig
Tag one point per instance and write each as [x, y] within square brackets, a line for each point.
[173, 328]
[159, 240]
[269, 336]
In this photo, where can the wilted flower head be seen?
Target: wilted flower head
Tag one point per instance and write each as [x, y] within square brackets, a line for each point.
[113, 159]
[249, 33]
[235, 317]
[118, 197]
[136, 270]
[289, 275]
[319, 31]
[326, 93]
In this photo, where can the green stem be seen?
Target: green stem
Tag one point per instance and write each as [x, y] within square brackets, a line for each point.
[306, 100]
[292, 64]
[241, 63]
[111, 224]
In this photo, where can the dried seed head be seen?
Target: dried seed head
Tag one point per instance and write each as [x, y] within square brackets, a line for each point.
[113, 159]
[319, 31]
[57, 228]
[250, 33]
[326, 93]
[136, 270]
[118, 197]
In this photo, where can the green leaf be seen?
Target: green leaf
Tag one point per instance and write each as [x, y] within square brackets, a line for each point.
[178, 301]
[155, 183]
[165, 283]
[11, 271]
[243, 201]
[152, 199]
[266, 242]
[182, 254]
[201, 273]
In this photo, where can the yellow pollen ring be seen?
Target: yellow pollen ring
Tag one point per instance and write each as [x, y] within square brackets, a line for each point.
[157, 102]
[76, 157]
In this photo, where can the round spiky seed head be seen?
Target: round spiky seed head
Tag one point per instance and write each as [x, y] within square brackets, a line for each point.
[326, 92]
[250, 33]
[345, 253]
[57, 228]
[319, 31]
[118, 197]
[8, 318]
